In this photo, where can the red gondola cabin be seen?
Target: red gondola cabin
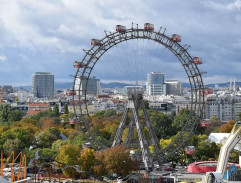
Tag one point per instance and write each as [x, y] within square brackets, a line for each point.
[176, 38]
[120, 28]
[204, 122]
[78, 64]
[207, 91]
[96, 42]
[148, 26]
[197, 60]
[69, 92]
[72, 121]
[87, 145]
[189, 150]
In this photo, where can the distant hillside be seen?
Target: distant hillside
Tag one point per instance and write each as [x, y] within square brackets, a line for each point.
[227, 84]
[114, 85]
[65, 85]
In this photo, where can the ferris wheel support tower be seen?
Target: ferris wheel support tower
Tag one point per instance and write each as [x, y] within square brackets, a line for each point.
[135, 102]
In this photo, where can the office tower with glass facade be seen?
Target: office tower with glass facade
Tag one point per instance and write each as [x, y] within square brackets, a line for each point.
[43, 84]
[155, 84]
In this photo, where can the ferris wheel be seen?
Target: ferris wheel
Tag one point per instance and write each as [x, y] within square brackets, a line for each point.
[101, 47]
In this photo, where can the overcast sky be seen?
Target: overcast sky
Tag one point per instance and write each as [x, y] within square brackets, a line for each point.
[49, 35]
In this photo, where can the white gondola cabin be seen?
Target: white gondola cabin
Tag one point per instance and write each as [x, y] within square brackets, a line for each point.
[70, 92]
[189, 150]
[78, 64]
[120, 28]
[204, 122]
[176, 38]
[148, 26]
[197, 60]
[72, 121]
[87, 145]
[96, 42]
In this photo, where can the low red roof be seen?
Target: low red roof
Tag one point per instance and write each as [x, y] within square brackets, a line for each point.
[39, 105]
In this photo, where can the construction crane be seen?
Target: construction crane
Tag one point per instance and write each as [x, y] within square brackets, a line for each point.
[233, 138]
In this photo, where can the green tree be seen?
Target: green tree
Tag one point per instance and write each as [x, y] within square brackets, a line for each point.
[47, 153]
[58, 144]
[162, 124]
[56, 110]
[215, 124]
[239, 115]
[69, 154]
[13, 145]
[16, 99]
[205, 149]
[180, 120]
[146, 103]
[17, 137]
[41, 114]
[47, 137]
[4, 114]
[87, 160]
[15, 115]
[66, 110]
[78, 140]
[109, 112]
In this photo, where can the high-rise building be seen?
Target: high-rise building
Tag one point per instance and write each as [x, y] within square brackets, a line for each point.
[93, 86]
[43, 84]
[174, 87]
[155, 84]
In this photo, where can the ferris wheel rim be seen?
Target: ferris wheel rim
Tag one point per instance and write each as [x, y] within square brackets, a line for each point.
[111, 39]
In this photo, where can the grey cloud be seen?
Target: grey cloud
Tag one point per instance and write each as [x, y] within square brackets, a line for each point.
[52, 34]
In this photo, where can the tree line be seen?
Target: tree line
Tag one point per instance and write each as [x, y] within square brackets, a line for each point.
[50, 133]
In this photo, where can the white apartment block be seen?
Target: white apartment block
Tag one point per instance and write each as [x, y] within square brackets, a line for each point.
[225, 107]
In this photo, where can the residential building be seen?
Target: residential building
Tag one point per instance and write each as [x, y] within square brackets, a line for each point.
[156, 105]
[7, 89]
[155, 84]
[106, 104]
[182, 104]
[59, 103]
[35, 108]
[81, 107]
[225, 107]
[132, 89]
[43, 84]
[23, 95]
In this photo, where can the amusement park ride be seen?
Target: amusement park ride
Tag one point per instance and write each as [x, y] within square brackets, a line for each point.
[233, 138]
[135, 100]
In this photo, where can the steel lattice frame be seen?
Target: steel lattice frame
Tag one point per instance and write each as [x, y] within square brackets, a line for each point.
[193, 73]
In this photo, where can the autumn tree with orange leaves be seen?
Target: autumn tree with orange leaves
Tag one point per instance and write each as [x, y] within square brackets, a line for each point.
[226, 128]
[115, 160]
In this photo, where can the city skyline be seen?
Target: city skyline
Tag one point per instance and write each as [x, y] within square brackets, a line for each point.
[49, 36]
